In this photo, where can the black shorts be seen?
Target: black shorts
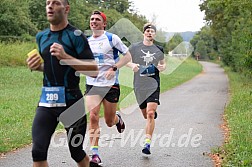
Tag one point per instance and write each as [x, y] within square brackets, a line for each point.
[111, 94]
[145, 96]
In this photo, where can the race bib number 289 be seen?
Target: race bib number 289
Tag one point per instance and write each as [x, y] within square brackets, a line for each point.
[53, 97]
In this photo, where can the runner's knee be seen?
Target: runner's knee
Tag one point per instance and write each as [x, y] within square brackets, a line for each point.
[77, 154]
[151, 114]
[39, 155]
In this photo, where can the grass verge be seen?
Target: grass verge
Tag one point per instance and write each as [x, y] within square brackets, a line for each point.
[237, 151]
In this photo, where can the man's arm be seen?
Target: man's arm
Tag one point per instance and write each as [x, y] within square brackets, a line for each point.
[86, 67]
[124, 60]
[133, 66]
[130, 64]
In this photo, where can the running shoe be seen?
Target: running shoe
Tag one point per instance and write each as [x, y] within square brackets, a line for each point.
[120, 125]
[95, 161]
[146, 149]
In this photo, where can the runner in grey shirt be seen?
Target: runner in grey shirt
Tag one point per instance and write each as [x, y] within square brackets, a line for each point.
[147, 61]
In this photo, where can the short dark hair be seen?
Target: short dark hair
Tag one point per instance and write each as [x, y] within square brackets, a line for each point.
[149, 25]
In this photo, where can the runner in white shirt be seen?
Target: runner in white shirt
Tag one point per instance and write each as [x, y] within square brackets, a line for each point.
[106, 56]
[105, 88]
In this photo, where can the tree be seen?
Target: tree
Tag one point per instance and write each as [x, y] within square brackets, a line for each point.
[37, 13]
[14, 18]
[230, 23]
[201, 49]
[209, 42]
[174, 42]
[120, 6]
[26, 18]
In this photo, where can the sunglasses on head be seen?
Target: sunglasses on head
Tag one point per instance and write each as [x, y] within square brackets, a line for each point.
[101, 14]
[97, 12]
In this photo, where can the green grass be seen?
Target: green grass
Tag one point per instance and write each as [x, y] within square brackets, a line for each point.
[176, 76]
[15, 54]
[238, 150]
[20, 90]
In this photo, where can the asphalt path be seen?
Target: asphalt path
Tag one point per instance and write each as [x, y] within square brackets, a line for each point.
[187, 129]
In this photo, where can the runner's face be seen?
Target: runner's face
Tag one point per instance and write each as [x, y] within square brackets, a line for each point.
[96, 22]
[56, 11]
[149, 34]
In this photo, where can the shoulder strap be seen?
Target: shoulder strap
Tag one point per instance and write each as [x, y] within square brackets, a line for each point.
[160, 48]
[109, 35]
[115, 51]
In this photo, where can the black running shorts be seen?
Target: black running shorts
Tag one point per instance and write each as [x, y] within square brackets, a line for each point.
[145, 96]
[111, 94]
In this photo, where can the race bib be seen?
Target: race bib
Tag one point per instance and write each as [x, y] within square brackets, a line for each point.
[147, 70]
[53, 97]
[99, 58]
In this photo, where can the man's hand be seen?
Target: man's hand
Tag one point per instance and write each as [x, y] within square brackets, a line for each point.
[110, 74]
[34, 62]
[161, 67]
[135, 67]
[58, 51]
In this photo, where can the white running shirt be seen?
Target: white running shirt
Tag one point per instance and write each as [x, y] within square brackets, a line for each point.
[105, 58]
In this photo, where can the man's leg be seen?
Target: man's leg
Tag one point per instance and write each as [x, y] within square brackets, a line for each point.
[93, 103]
[44, 125]
[113, 117]
[141, 100]
[150, 125]
[40, 164]
[144, 113]
[110, 113]
[84, 162]
[78, 130]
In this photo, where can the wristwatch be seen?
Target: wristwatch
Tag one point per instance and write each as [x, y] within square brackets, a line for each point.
[114, 67]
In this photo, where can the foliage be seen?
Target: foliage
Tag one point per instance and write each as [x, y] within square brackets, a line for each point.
[201, 49]
[14, 18]
[28, 17]
[237, 151]
[120, 6]
[174, 42]
[205, 44]
[37, 14]
[231, 27]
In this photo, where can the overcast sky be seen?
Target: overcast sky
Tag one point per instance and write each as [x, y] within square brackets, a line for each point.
[172, 15]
